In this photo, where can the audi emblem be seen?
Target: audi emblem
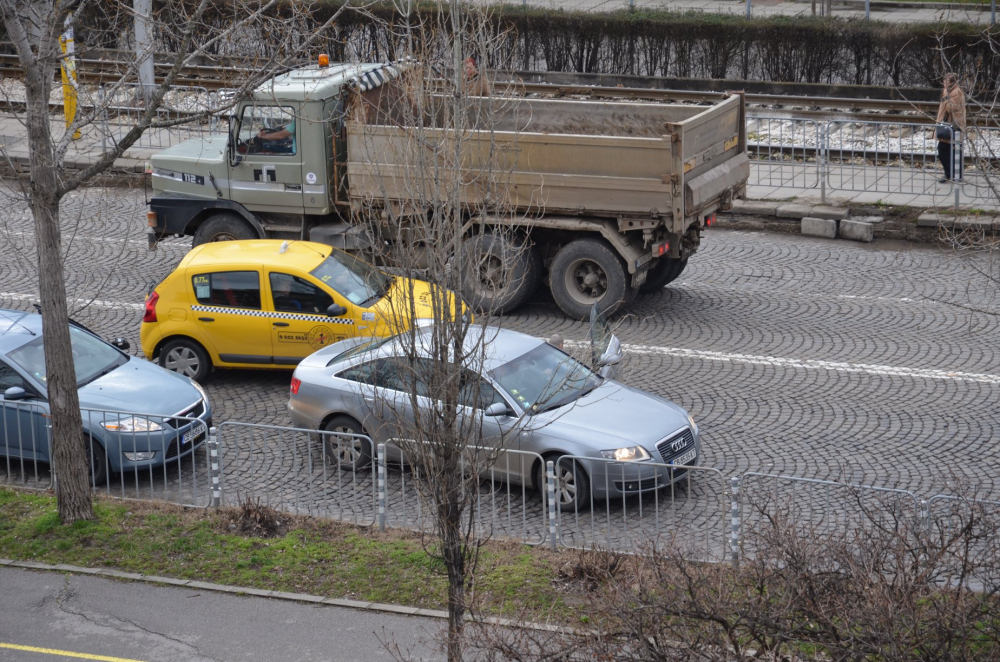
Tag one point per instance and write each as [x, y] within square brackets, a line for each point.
[678, 445]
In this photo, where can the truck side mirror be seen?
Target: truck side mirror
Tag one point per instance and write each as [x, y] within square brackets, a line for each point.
[234, 156]
[335, 310]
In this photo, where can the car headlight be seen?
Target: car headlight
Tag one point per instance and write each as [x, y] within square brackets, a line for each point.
[694, 426]
[204, 396]
[132, 424]
[421, 322]
[629, 454]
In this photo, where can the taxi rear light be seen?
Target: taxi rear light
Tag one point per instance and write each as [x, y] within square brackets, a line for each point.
[710, 220]
[296, 383]
[150, 314]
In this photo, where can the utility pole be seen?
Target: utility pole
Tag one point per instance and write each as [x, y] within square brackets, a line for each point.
[144, 46]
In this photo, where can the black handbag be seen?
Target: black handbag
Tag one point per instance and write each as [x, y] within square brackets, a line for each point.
[945, 132]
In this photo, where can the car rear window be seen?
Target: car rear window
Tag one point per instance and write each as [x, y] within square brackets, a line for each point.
[232, 289]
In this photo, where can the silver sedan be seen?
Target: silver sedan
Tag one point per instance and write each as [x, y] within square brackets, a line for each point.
[614, 440]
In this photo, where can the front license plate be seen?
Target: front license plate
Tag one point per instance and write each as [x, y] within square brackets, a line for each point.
[189, 436]
[686, 458]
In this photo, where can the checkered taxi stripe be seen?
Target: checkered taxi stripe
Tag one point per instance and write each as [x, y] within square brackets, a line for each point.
[266, 313]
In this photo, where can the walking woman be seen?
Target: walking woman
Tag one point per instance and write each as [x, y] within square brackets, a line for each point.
[950, 120]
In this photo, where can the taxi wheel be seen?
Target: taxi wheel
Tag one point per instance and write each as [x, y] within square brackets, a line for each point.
[349, 452]
[187, 358]
[223, 227]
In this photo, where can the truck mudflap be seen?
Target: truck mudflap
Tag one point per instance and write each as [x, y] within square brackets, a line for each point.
[707, 187]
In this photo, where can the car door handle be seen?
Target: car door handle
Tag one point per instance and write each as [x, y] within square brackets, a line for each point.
[206, 319]
[281, 323]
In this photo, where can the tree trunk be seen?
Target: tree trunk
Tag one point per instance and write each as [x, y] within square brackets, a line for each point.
[70, 459]
[454, 559]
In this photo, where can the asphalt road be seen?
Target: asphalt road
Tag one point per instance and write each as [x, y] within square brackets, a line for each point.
[56, 616]
[807, 357]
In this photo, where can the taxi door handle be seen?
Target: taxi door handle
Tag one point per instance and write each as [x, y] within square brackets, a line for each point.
[281, 323]
[206, 319]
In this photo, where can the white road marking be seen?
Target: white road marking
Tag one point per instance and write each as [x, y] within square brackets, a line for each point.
[100, 303]
[106, 240]
[806, 364]
[695, 285]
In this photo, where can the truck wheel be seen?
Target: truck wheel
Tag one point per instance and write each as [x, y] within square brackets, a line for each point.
[585, 272]
[664, 273]
[501, 272]
[223, 227]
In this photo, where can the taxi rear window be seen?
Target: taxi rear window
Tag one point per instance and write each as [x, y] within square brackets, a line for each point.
[231, 289]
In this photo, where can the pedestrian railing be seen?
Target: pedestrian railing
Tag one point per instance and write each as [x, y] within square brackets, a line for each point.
[189, 111]
[636, 507]
[882, 157]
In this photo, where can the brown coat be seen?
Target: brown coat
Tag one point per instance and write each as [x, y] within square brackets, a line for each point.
[952, 108]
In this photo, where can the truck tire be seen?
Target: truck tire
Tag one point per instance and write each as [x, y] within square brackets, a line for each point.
[224, 226]
[589, 271]
[501, 272]
[664, 273]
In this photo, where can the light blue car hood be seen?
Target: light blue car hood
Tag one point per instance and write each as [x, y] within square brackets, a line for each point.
[612, 415]
[142, 387]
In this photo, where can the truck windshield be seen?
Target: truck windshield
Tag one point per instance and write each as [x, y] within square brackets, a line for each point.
[357, 281]
[92, 357]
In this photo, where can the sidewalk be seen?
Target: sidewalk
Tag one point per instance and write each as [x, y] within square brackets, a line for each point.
[899, 12]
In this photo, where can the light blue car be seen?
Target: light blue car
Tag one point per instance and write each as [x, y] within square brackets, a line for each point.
[168, 415]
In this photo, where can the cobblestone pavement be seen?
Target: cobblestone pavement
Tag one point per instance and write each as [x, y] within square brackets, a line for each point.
[799, 356]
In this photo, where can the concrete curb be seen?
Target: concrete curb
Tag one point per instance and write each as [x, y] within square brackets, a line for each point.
[264, 593]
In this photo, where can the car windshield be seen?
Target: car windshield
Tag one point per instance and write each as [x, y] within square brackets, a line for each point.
[545, 378]
[357, 281]
[359, 349]
[92, 357]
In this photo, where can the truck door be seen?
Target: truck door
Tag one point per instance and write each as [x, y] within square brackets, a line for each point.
[269, 177]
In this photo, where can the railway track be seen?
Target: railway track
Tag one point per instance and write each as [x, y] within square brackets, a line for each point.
[801, 106]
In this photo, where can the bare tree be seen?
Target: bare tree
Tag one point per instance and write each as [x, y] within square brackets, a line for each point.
[195, 30]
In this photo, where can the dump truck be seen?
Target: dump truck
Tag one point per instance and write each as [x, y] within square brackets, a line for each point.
[603, 198]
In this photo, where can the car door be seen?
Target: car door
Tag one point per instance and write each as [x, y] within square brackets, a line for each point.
[228, 312]
[23, 423]
[378, 400]
[499, 433]
[269, 175]
[299, 323]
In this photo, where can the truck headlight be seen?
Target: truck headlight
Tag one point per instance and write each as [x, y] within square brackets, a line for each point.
[629, 454]
[132, 424]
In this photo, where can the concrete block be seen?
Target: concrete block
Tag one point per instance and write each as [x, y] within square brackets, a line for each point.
[930, 219]
[793, 211]
[819, 227]
[754, 207]
[834, 213]
[874, 220]
[857, 231]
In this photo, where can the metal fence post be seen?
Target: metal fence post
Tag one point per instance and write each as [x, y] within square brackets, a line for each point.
[748, 8]
[550, 490]
[821, 158]
[103, 110]
[734, 530]
[868, 10]
[213, 450]
[925, 517]
[381, 487]
[957, 162]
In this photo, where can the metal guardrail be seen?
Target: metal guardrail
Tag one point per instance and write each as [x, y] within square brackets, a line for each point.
[122, 105]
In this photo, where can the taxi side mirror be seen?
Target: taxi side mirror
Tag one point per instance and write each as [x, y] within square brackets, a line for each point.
[335, 310]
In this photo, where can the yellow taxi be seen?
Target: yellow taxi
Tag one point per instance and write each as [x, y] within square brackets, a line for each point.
[270, 303]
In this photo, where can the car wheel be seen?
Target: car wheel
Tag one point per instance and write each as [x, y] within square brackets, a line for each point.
[223, 227]
[572, 484]
[501, 272]
[587, 272]
[664, 273]
[349, 453]
[98, 461]
[186, 357]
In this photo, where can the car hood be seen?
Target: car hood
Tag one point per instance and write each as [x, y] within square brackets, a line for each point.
[613, 415]
[395, 305]
[142, 387]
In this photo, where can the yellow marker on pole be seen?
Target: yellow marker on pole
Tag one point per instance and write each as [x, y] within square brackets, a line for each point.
[68, 69]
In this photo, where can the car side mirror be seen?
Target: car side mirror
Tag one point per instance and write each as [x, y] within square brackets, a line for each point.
[496, 409]
[15, 393]
[335, 310]
[120, 343]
